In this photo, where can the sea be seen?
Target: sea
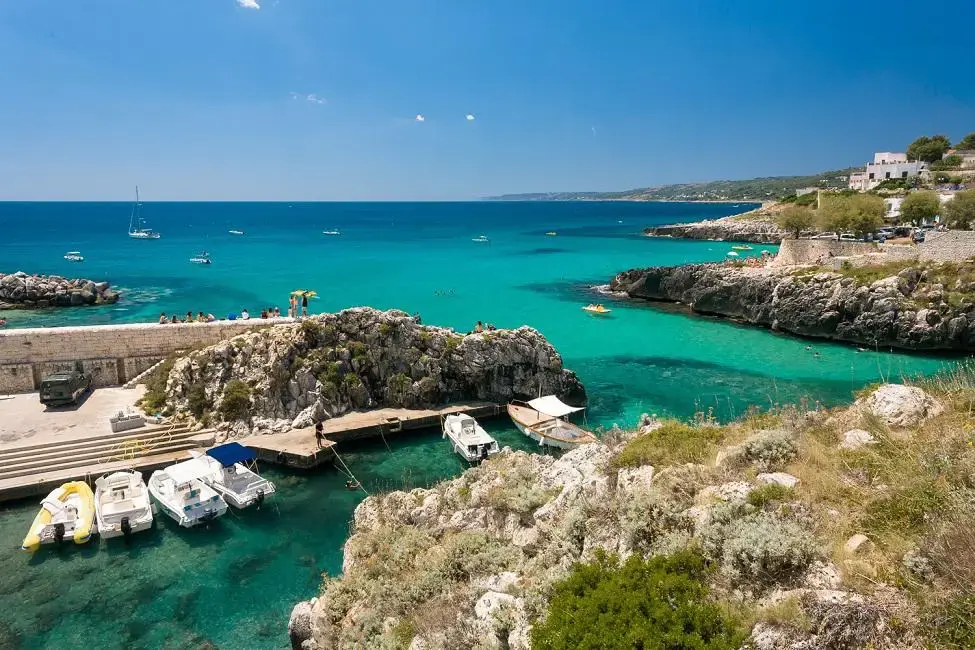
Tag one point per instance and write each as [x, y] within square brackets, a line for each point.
[233, 584]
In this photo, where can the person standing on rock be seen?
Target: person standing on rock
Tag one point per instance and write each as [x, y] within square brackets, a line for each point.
[304, 304]
[319, 434]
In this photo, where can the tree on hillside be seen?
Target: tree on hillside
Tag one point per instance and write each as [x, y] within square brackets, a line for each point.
[796, 219]
[866, 213]
[959, 212]
[928, 149]
[919, 207]
[833, 214]
[967, 143]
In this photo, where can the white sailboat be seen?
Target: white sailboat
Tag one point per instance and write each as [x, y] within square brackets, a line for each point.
[233, 473]
[74, 256]
[470, 441]
[183, 496]
[137, 226]
[122, 504]
[543, 419]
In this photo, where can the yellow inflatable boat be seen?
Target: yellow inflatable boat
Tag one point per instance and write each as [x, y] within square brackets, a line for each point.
[66, 513]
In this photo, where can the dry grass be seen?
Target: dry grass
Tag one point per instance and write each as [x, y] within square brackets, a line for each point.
[674, 443]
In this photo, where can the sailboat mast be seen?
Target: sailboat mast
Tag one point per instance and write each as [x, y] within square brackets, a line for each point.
[134, 208]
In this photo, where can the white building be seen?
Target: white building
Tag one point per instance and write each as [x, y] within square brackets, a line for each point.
[886, 165]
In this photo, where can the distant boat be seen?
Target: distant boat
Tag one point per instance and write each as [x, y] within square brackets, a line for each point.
[481, 239]
[732, 254]
[74, 256]
[137, 226]
[619, 221]
[596, 309]
[742, 248]
[331, 232]
[201, 258]
[551, 233]
[236, 232]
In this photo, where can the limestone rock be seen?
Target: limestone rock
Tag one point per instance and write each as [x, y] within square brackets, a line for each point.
[900, 406]
[778, 478]
[857, 438]
[19, 290]
[631, 480]
[856, 544]
[734, 491]
[300, 626]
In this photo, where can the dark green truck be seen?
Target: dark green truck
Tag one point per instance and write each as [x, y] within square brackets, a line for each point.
[64, 387]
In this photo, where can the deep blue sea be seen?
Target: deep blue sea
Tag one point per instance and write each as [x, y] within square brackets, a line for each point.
[233, 586]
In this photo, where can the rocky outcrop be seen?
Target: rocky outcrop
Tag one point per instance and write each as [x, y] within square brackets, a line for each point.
[292, 376]
[912, 310]
[900, 406]
[22, 291]
[758, 230]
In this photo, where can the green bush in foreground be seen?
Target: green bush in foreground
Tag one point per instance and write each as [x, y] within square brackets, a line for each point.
[656, 604]
[236, 402]
[673, 443]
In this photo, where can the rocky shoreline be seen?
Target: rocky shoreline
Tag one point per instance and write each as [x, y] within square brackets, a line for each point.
[924, 307]
[22, 291]
[735, 228]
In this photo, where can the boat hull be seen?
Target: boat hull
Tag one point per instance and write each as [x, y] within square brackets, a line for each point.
[187, 517]
[578, 437]
[43, 529]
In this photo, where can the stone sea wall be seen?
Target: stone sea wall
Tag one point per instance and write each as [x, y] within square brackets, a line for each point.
[22, 291]
[113, 354]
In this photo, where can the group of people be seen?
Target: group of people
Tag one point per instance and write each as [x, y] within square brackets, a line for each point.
[199, 318]
[293, 306]
[481, 327]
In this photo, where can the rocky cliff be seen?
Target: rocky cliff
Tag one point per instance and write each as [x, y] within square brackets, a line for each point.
[928, 307]
[736, 228]
[360, 358]
[22, 291]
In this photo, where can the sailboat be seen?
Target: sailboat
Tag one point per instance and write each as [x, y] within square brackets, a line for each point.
[139, 231]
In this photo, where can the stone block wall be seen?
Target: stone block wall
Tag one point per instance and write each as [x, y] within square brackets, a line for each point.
[951, 246]
[815, 251]
[113, 354]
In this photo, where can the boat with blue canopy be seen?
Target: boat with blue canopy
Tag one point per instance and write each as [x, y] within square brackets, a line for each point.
[233, 474]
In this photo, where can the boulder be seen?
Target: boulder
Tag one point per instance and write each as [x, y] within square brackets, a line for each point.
[857, 438]
[778, 478]
[856, 544]
[900, 406]
[300, 626]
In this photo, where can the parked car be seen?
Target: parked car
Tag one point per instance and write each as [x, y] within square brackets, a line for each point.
[825, 235]
[918, 236]
[848, 237]
[64, 387]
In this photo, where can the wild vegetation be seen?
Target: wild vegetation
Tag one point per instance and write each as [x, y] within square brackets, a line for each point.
[960, 211]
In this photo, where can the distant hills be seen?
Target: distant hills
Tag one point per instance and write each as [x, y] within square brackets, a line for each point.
[755, 189]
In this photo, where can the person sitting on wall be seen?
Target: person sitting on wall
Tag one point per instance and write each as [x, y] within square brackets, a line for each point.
[244, 314]
[189, 317]
[201, 318]
[162, 318]
[211, 318]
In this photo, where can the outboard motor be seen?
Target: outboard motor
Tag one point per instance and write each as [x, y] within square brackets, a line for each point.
[126, 527]
[58, 533]
[260, 498]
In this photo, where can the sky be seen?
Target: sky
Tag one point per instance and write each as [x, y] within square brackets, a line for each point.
[456, 99]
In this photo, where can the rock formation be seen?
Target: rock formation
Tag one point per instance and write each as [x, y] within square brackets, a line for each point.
[918, 308]
[736, 228]
[22, 291]
[291, 376]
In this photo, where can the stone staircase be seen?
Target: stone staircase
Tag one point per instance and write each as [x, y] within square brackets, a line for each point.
[30, 469]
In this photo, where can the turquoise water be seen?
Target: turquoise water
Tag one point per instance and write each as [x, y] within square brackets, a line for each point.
[234, 585]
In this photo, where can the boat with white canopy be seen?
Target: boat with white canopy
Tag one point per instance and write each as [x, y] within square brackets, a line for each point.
[544, 419]
[469, 439]
[74, 256]
[181, 493]
[233, 473]
[122, 504]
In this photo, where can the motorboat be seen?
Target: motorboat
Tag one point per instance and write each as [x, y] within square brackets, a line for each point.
[596, 309]
[732, 254]
[122, 505]
[331, 232]
[68, 512]
[137, 225]
[74, 256]
[236, 232]
[470, 441]
[201, 258]
[233, 474]
[544, 419]
[481, 239]
[742, 247]
[552, 233]
[183, 495]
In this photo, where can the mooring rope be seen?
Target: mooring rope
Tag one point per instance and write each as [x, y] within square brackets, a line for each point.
[348, 472]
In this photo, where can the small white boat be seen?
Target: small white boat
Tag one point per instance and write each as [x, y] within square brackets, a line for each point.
[122, 504]
[732, 254]
[543, 419]
[74, 256]
[236, 232]
[233, 473]
[481, 239]
[331, 232]
[137, 226]
[183, 496]
[201, 258]
[552, 233]
[470, 441]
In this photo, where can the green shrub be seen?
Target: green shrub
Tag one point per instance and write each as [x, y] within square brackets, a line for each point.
[358, 349]
[656, 604]
[236, 401]
[197, 399]
[907, 509]
[770, 450]
[385, 329]
[769, 493]
[952, 623]
[674, 443]
[154, 399]
[759, 549]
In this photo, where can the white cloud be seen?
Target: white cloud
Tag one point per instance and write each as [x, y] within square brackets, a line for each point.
[248, 4]
[294, 95]
[420, 118]
[315, 99]
[470, 117]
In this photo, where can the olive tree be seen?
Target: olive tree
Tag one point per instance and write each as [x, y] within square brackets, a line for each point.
[796, 219]
[928, 149]
[960, 211]
[866, 213]
[919, 207]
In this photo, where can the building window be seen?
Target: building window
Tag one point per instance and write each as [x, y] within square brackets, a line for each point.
[903, 174]
[887, 175]
[871, 175]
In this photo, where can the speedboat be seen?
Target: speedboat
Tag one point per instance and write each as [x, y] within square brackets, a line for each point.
[201, 258]
[68, 512]
[470, 441]
[236, 232]
[331, 232]
[552, 233]
[183, 496]
[742, 247]
[74, 256]
[596, 309]
[233, 473]
[122, 504]
[481, 239]
[543, 419]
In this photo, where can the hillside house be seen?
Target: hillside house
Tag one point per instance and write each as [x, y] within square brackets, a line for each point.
[886, 165]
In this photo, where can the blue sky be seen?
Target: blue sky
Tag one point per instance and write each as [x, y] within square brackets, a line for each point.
[208, 99]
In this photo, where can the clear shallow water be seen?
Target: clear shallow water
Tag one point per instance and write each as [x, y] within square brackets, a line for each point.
[235, 585]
